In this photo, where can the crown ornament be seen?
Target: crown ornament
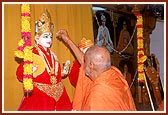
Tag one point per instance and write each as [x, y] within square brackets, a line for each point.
[44, 24]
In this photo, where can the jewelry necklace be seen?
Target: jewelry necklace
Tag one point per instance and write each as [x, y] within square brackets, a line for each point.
[52, 71]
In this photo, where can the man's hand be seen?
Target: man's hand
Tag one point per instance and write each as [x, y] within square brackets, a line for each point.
[63, 34]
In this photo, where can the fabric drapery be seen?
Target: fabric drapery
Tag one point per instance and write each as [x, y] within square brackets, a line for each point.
[108, 92]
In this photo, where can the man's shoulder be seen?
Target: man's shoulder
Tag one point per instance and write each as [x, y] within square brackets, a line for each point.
[112, 79]
[116, 70]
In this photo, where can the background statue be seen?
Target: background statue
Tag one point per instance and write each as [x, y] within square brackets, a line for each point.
[103, 35]
[124, 43]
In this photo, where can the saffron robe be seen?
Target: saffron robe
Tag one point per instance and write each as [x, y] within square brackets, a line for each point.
[108, 92]
[40, 101]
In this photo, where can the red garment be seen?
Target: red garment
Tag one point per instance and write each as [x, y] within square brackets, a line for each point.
[74, 73]
[40, 101]
[108, 92]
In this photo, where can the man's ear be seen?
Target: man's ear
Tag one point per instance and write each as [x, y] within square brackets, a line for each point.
[91, 65]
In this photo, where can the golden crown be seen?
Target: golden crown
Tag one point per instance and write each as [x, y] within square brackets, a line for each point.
[44, 23]
[84, 43]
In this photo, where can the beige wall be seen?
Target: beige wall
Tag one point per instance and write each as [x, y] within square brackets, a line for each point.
[77, 19]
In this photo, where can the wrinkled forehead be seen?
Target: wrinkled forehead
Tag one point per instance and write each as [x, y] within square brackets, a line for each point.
[87, 55]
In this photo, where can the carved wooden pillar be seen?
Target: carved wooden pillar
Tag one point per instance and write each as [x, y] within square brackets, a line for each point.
[140, 54]
[149, 23]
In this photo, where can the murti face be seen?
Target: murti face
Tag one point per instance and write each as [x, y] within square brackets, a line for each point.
[45, 40]
[125, 68]
[103, 23]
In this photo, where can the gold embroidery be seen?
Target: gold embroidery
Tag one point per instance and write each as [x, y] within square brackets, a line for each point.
[51, 71]
[55, 91]
[53, 79]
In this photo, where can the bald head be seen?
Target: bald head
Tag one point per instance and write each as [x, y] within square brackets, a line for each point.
[97, 60]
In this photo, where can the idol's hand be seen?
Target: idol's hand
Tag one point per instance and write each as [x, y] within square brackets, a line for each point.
[63, 34]
[66, 67]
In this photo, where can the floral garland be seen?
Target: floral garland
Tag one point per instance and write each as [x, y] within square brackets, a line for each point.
[24, 49]
[140, 55]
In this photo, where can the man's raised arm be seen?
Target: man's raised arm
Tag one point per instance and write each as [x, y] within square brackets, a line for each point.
[63, 34]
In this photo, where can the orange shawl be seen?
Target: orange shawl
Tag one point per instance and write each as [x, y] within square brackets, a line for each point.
[108, 92]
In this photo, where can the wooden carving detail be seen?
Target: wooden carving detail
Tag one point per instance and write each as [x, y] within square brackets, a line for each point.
[153, 76]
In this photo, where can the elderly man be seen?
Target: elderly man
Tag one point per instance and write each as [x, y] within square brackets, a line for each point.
[100, 86]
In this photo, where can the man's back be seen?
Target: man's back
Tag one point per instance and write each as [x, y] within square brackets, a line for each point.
[109, 92]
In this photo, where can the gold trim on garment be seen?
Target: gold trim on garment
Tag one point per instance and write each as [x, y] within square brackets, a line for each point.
[52, 71]
[55, 91]
[53, 79]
